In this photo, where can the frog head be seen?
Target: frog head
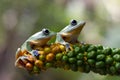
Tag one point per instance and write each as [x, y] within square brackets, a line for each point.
[71, 32]
[42, 37]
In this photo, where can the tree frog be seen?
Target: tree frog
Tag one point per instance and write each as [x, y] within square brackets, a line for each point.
[70, 33]
[39, 39]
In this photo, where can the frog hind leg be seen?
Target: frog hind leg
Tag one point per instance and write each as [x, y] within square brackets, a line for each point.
[60, 40]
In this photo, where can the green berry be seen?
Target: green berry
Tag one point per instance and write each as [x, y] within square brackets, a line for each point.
[80, 56]
[79, 62]
[100, 47]
[116, 51]
[109, 60]
[77, 49]
[72, 60]
[99, 51]
[99, 64]
[117, 65]
[36, 69]
[91, 54]
[58, 56]
[92, 48]
[83, 48]
[91, 62]
[48, 65]
[70, 54]
[116, 57]
[100, 57]
[107, 51]
[65, 58]
[112, 69]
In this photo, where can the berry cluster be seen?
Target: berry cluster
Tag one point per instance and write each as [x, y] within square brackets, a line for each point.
[80, 57]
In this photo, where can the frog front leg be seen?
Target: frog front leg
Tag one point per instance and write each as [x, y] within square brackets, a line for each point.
[29, 46]
[60, 40]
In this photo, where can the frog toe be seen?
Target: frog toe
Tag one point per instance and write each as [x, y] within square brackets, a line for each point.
[18, 53]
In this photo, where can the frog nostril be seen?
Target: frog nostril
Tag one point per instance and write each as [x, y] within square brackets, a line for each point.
[46, 31]
[73, 22]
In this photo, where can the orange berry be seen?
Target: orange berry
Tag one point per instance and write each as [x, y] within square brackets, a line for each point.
[29, 66]
[50, 57]
[56, 49]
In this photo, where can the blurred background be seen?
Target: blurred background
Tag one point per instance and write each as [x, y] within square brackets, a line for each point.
[21, 18]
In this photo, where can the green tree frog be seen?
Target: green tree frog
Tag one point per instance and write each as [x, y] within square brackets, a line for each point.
[70, 33]
[38, 39]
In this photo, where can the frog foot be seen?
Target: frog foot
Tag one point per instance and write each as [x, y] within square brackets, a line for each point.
[67, 46]
[35, 53]
[21, 61]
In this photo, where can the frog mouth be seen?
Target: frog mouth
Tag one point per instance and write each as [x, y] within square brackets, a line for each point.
[80, 25]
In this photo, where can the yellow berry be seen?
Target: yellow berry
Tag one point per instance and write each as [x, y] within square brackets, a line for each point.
[50, 57]
[41, 52]
[39, 63]
[42, 57]
[62, 48]
[47, 50]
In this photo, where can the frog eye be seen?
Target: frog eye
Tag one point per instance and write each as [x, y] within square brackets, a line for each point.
[73, 22]
[45, 31]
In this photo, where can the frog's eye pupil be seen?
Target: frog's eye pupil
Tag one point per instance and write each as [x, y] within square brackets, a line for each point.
[73, 22]
[46, 31]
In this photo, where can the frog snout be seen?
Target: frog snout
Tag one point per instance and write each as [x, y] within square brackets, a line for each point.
[83, 23]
